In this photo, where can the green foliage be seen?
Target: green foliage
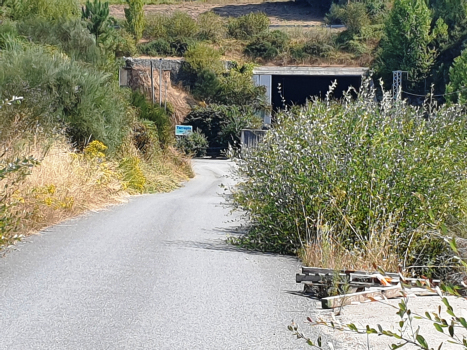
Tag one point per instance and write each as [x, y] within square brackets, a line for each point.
[156, 47]
[70, 36]
[222, 125]
[58, 90]
[357, 170]
[200, 57]
[407, 42]
[96, 14]
[48, 9]
[458, 80]
[211, 27]
[354, 15]
[135, 18]
[118, 43]
[318, 45]
[195, 143]
[268, 45]
[179, 25]
[155, 114]
[234, 87]
[247, 26]
[237, 88]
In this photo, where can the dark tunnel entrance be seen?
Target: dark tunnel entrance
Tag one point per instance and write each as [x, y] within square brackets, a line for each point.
[296, 89]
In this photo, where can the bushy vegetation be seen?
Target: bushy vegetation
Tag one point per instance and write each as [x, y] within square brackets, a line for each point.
[268, 45]
[221, 125]
[354, 172]
[194, 144]
[247, 26]
[70, 138]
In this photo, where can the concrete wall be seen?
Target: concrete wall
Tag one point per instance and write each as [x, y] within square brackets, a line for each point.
[174, 66]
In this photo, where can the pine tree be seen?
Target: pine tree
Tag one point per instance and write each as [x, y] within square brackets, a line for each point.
[458, 80]
[135, 18]
[96, 15]
[407, 44]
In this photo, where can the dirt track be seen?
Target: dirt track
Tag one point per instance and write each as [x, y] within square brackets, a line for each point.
[280, 12]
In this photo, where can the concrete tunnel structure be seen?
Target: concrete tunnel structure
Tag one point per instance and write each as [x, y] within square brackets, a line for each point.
[301, 83]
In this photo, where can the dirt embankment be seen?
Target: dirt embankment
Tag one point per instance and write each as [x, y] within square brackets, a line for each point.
[287, 13]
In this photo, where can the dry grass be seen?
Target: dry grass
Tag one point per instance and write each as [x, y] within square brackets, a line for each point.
[66, 184]
[63, 185]
[327, 252]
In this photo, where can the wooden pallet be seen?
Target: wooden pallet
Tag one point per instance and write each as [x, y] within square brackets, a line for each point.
[320, 281]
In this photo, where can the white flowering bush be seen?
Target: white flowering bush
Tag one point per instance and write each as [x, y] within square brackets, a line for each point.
[357, 169]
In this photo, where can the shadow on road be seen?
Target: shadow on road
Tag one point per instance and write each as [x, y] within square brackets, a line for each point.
[283, 10]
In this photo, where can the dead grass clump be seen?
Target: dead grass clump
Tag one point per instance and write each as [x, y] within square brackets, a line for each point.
[63, 185]
[326, 251]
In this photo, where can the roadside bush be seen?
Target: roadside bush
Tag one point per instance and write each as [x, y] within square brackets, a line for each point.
[194, 144]
[357, 170]
[60, 91]
[268, 45]
[155, 114]
[247, 26]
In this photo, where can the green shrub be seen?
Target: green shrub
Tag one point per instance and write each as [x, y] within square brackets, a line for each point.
[118, 42]
[134, 16]
[156, 26]
[181, 25]
[200, 57]
[207, 86]
[247, 26]
[222, 125]
[57, 90]
[71, 36]
[268, 45]
[48, 9]
[156, 47]
[211, 27]
[180, 46]
[236, 87]
[156, 115]
[195, 143]
[356, 170]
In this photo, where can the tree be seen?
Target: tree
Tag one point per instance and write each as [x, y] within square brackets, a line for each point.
[96, 15]
[135, 18]
[407, 43]
[458, 80]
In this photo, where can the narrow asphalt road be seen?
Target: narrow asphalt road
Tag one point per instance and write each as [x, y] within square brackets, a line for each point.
[154, 273]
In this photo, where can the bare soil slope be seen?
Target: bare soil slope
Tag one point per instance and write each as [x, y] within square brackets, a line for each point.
[280, 12]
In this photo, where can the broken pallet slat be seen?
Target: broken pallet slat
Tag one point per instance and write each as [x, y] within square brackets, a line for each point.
[342, 300]
[320, 270]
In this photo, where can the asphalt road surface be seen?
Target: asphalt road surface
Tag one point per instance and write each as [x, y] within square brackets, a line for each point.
[154, 273]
